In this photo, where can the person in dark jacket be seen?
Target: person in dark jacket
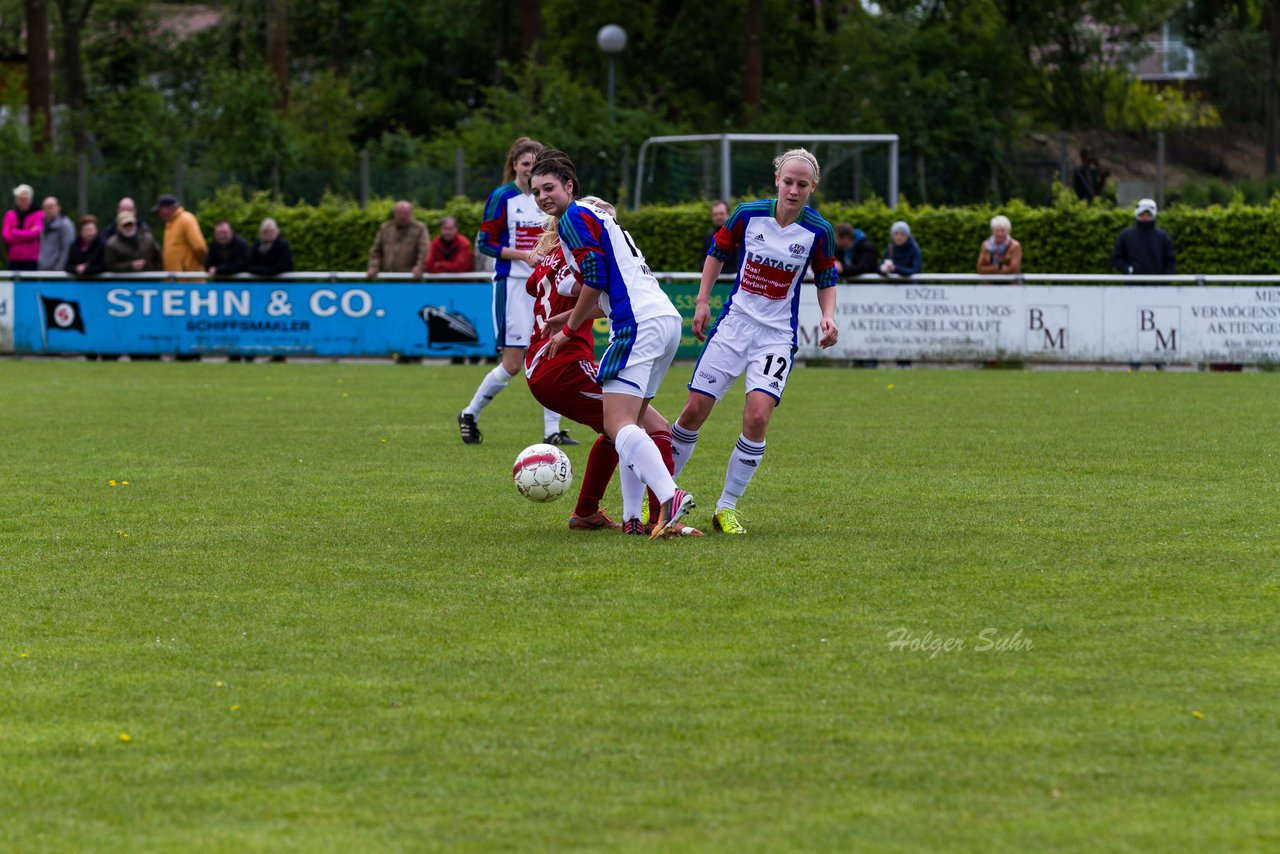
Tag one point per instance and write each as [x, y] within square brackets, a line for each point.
[855, 254]
[87, 256]
[1142, 249]
[126, 204]
[271, 254]
[228, 253]
[903, 256]
[131, 250]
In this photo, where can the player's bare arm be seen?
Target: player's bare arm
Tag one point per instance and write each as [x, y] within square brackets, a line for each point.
[711, 269]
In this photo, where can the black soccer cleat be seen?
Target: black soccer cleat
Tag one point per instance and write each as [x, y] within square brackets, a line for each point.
[561, 438]
[467, 427]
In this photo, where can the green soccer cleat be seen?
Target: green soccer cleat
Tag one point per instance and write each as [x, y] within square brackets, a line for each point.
[726, 521]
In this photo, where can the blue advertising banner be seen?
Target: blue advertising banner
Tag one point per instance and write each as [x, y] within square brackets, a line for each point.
[321, 318]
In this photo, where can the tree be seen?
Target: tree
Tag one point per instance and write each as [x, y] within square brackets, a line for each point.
[1077, 48]
[72, 17]
[1271, 25]
[753, 63]
[531, 29]
[278, 48]
[39, 94]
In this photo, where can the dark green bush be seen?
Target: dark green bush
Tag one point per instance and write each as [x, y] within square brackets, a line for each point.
[1069, 237]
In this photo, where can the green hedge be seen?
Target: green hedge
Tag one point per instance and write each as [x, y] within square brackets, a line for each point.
[1069, 237]
[334, 235]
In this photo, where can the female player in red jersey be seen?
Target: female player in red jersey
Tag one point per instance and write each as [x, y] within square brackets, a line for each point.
[644, 327]
[512, 223]
[566, 383]
[776, 242]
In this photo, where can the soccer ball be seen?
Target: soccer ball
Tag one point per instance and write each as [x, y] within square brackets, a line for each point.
[542, 473]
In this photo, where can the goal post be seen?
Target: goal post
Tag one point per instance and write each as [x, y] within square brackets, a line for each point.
[727, 140]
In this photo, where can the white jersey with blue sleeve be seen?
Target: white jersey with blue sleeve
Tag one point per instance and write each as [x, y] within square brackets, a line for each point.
[608, 260]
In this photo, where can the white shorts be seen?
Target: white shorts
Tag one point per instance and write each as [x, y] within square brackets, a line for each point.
[512, 313]
[638, 357]
[739, 345]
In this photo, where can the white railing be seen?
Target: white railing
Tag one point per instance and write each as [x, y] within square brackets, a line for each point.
[920, 278]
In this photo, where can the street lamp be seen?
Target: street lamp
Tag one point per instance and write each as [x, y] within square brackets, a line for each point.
[612, 40]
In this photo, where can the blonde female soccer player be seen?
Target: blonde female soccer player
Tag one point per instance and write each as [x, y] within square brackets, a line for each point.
[755, 333]
[644, 325]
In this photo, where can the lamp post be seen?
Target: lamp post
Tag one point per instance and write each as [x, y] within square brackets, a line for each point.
[612, 40]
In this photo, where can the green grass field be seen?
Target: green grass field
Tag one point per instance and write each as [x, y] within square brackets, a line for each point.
[324, 624]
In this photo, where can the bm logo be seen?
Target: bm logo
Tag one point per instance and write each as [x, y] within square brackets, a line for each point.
[1047, 327]
[1158, 329]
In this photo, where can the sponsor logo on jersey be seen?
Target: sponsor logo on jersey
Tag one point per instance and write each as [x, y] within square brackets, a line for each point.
[772, 262]
[759, 236]
[766, 277]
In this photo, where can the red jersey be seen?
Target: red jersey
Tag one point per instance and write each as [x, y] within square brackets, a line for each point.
[544, 286]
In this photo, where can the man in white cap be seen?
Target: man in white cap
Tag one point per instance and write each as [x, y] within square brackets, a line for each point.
[1142, 249]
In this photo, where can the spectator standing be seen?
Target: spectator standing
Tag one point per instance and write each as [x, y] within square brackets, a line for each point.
[450, 251]
[855, 254]
[903, 256]
[86, 256]
[57, 238]
[22, 228]
[1000, 253]
[719, 216]
[1142, 249]
[126, 204]
[228, 253]
[130, 249]
[401, 244]
[184, 245]
[271, 254]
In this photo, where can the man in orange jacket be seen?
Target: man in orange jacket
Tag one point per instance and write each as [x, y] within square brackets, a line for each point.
[184, 245]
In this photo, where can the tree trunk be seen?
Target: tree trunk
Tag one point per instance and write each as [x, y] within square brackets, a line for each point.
[278, 48]
[39, 100]
[503, 39]
[1271, 96]
[338, 34]
[530, 29]
[74, 14]
[753, 66]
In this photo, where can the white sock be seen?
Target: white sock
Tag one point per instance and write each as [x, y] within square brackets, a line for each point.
[636, 450]
[633, 494]
[493, 382]
[550, 422]
[682, 442]
[743, 462]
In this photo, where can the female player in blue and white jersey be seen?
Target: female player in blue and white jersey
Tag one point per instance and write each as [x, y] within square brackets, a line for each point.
[755, 333]
[644, 325]
[509, 233]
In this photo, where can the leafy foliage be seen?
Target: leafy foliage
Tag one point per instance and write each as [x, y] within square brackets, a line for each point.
[1069, 237]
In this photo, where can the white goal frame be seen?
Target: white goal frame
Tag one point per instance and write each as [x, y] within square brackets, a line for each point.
[727, 140]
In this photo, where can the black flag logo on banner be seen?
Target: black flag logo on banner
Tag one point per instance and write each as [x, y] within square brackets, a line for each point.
[62, 314]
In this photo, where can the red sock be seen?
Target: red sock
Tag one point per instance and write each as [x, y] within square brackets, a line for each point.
[662, 439]
[601, 463]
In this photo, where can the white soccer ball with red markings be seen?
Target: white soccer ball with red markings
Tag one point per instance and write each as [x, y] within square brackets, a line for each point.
[542, 473]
